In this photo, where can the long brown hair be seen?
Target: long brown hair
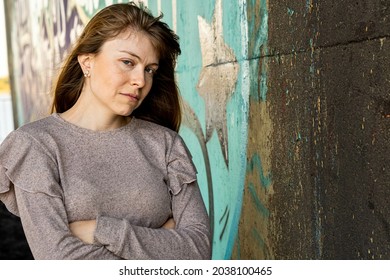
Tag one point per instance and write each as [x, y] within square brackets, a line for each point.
[162, 104]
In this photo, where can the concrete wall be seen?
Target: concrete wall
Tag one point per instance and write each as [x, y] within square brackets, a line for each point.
[286, 115]
[319, 127]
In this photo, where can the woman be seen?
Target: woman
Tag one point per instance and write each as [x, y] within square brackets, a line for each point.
[106, 176]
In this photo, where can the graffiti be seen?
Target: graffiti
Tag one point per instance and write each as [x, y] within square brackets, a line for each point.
[256, 201]
[223, 221]
[255, 216]
[220, 129]
[218, 76]
[255, 163]
[255, 166]
[44, 32]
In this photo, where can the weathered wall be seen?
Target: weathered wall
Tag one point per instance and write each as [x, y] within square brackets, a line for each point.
[287, 115]
[322, 131]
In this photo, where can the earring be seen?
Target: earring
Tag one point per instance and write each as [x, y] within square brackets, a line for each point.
[86, 74]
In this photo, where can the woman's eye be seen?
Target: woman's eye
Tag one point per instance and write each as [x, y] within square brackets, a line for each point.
[128, 62]
[150, 71]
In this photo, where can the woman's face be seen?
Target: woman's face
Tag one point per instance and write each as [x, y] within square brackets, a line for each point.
[121, 74]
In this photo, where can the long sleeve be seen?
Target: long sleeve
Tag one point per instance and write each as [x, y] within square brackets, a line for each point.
[45, 224]
[29, 188]
[191, 237]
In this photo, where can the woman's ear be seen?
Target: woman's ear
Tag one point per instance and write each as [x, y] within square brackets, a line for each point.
[85, 63]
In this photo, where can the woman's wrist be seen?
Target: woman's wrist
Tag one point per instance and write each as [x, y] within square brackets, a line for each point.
[84, 230]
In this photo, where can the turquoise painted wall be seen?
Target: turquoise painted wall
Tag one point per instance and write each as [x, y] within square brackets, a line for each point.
[212, 81]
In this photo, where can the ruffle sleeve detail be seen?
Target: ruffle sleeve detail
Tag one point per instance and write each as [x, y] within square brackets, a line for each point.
[24, 163]
[181, 169]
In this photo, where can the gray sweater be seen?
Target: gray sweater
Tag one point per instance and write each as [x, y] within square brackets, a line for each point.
[131, 180]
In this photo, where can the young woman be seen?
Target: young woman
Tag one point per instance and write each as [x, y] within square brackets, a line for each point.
[106, 176]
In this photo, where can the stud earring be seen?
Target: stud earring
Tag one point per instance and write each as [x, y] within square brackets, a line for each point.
[86, 74]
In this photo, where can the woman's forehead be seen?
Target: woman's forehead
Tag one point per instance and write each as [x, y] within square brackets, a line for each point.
[135, 42]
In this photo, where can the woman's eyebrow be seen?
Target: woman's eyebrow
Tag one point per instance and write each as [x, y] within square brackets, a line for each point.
[137, 56]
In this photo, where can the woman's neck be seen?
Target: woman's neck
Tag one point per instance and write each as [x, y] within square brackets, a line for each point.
[85, 116]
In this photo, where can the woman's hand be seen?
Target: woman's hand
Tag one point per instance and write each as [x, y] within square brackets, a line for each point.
[170, 224]
[84, 230]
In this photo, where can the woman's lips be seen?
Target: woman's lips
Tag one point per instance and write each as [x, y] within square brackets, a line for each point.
[131, 96]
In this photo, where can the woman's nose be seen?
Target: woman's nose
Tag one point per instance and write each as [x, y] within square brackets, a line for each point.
[137, 77]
